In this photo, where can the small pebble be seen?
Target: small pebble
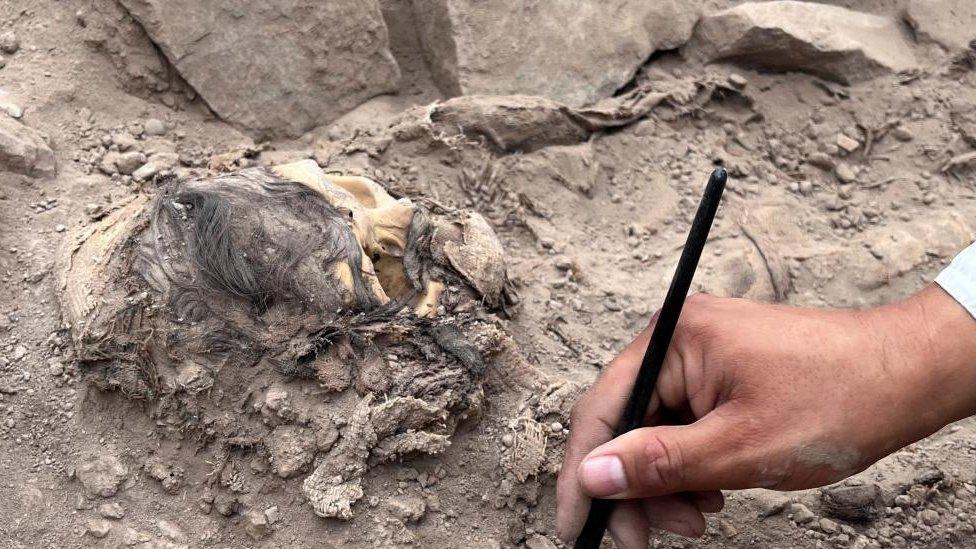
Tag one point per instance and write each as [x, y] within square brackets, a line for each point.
[846, 143]
[738, 80]
[902, 133]
[828, 526]
[563, 263]
[538, 541]
[407, 508]
[272, 514]
[154, 126]
[111, 510]
[256, 525]
[9, 43]
[929, 517]
[98, 528]
[801, 514]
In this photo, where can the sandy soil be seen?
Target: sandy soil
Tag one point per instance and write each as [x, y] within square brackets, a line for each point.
[592, 231]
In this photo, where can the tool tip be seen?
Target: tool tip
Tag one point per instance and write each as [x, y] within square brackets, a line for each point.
[720, 174]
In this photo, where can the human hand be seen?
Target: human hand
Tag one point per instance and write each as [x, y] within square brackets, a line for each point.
[774, 397]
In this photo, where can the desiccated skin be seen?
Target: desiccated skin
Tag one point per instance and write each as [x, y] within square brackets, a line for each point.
[216, 283]
[385, 431]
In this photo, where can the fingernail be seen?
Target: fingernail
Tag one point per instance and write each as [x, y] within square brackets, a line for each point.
[603, 476]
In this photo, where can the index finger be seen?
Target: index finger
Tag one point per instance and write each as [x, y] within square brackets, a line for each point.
[593, 421]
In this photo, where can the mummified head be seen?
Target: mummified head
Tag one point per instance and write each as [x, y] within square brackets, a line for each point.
[272, 266]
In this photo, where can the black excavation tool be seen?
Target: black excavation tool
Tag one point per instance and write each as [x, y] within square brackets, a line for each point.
[640, 396]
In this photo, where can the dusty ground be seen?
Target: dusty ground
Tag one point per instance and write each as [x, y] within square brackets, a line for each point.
[592, 231]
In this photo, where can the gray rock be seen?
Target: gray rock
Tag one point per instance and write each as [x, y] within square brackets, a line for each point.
[859, 503]
[573, 52]
[844, 173]
[108, 164]
[902, 133]
[101, 475]
[929, 517]
[278, 67]
[292, 449]
[821, 160]
[94, 211]
[272, 514]
[9, 106]
[9, 43]
[155, 164]
[55, 369]
[23, 150]
[146, 171]
[738, 80]
[111, 510]
[784, 35]
[98, 528]
[129, 162]
[155, 126]
[538, 541]
[256, 524]
[169, 475]
[124, 141]
[929, 477]
[801, 514]
[847, 143]
[407, 508]
[277, 402]
[828, 526]
[171, 531]
[131, 536]
[948, 23]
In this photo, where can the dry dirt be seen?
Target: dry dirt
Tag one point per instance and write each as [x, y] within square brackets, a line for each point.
[592, 218]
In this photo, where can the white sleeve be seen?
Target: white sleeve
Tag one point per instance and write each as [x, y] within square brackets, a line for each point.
[959, 279]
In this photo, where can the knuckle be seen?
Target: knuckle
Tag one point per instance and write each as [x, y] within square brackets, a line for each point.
[662, 465]
[696, 325]
[702, 318]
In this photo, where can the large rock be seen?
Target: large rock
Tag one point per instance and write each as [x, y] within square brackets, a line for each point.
[570, 51]
[949, 23]
[23, 150]
[829, 41]
[274, 67]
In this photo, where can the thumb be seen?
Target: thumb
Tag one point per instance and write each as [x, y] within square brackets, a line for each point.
[655, 461]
